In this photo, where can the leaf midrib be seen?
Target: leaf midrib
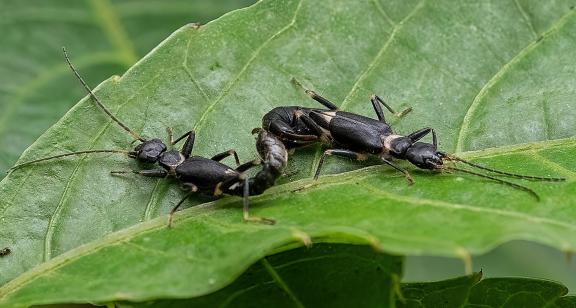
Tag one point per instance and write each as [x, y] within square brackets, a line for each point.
[280, 282]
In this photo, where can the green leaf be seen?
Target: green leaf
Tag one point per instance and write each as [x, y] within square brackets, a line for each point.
[347, 275]
[209, 244]
[469, 291]
[319, 276]
[107, 37]
[458, 65]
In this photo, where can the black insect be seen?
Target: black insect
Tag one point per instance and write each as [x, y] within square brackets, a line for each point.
[5, 251]
[295, 127]
[195, 173]
[274, 158]
[355, 136]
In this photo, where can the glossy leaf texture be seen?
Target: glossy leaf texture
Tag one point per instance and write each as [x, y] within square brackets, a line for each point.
[490, 74]
[107, 38]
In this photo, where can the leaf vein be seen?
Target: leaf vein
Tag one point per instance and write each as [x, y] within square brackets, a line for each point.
[380, 54]
[189, 72]
[526, 18]
[150, 204]
[466, 121]
[470, 208]
[554, 165]
[200, 124]
[280, 282]
[382, 12]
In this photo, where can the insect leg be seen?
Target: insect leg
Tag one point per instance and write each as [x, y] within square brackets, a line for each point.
[419, 134]
[188, 144]
[311, 124]
[193, 188]
[375, 99]
[245, 166]
[284, 131]
[326, 103]
[224, 186]
[246, 207]
[221, 156]
[170, 135]
[377, 109]
[341, 153]
[406, 173]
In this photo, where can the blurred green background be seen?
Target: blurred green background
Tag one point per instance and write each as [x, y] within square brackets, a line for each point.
[107, 37]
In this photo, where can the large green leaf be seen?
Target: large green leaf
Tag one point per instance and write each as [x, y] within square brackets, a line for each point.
[318, 276]
[348, 276]
[107, 38]
[470, 291]
[458, 64]
[209, 244]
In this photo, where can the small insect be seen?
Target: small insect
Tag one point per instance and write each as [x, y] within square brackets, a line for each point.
[195, 173]
[355, 136]
[274, 156]
[5, 251]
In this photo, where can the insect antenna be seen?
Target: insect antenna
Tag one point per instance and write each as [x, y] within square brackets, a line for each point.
[515, 175]
[524, 188]
[97, 101]
[64, 155]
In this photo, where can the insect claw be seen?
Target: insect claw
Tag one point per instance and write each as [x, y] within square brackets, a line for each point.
[261, 220]
[409, 178]
[403, 112]
[170, 218]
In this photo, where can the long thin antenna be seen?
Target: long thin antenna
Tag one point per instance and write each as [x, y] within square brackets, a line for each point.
[64, 155]
[97, 101]
[515, 175]
[524, 188]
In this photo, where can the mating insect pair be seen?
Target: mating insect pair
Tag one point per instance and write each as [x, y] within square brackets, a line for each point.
[356, 137]
[348, 135]
[195, 173]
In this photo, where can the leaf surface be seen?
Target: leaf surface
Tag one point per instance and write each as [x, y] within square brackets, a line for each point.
[470, 291]
[324, 275]
[221, 78]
